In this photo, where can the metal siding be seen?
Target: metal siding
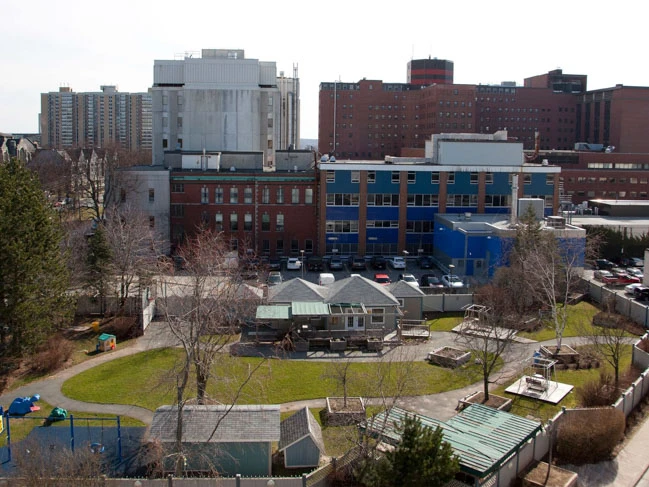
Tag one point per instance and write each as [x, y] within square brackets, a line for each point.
[500, 185]
[382, 212]
[342, 213]
[481, 153]
[304, 453]
[421, 212]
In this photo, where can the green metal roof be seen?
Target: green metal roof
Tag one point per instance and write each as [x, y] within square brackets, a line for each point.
[276, 312]
[482, 437]
[304, 308]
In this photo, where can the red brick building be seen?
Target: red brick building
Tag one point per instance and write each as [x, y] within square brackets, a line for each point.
[272, 213]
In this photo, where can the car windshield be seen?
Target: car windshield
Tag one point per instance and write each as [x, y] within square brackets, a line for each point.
[454, 279]
[409, 278]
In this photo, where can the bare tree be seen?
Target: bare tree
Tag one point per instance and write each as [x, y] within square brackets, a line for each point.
[488, 330]
[204, 310]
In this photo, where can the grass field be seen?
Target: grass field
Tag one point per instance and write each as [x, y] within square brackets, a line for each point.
[275, 381]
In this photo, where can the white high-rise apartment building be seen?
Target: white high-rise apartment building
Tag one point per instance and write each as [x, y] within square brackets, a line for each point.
[220, 101]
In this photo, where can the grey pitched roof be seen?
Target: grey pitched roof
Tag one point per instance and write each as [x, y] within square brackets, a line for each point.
[401, 289]
[255, 423]
[358, 289]
[297, 290]
[299, 426]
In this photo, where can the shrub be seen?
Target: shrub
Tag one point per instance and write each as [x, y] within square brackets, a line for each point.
[589, 435]
[52, 355]
[644, 344]
[614, 320]
[123, 327]
[597, 393]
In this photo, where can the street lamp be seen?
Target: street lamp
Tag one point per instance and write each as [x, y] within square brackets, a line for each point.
[302, 262]
[451, 267]
[405, 259]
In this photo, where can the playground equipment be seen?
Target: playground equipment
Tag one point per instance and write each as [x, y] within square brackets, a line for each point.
[541, 373]
[24, 405]
[106, 342]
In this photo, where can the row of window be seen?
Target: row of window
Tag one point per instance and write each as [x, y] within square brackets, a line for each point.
[618, 165]
[233, 195]
[427, 200]
[351, 226]
[355, 177]
[591, 180]
[610, 194]
[178, 211]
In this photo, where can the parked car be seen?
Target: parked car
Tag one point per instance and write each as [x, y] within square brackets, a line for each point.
[635, 271]
[637, 262]
[358, 263]
[626, 279]
[336, 263]
[604, 264]
[274, 264]
[325, 278]
[315, 264]
[410, 279]
[383, 279]
[641, 293]
[379, 262]
[629, 288]
[425, 262]
[274, 278]
[293, 264]
[451, 280]
[430, 280]
[600, 275]
[398, 262]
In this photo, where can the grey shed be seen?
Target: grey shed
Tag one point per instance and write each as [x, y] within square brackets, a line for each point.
[301, 440]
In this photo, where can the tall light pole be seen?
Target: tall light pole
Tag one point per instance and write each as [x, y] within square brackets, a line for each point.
[302, 262]
[405, 259]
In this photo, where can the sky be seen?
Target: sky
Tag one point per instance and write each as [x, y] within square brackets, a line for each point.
[85, 44]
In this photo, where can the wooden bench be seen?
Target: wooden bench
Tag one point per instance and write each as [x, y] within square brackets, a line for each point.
[537, 383]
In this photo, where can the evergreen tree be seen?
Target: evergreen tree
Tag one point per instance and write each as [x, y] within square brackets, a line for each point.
[33, 274]
[422, 457]
[98, 262]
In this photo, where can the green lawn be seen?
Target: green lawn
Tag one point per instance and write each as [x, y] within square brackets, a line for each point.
[146, 379]
[21, 427]
[445, 323]
[529, 407]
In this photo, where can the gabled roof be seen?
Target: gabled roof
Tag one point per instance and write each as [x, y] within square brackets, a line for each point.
[358, 289]
[297, 290]
[255, 423]
[401, 289]
[299, 426]
[484, 438]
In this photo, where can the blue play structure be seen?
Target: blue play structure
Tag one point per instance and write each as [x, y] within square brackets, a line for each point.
[24, 405]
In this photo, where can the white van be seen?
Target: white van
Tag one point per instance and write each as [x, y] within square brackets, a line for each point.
[325, 279]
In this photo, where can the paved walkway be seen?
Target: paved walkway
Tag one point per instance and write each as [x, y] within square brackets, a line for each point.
[630, 467]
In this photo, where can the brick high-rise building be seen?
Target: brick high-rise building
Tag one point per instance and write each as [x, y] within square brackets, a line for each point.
[95, 119]
[424, 72]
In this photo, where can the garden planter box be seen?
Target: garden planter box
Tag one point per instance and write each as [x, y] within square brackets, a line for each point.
[567, 355]
[338, 345]
[496, 402]
[448, 357]
[374, 344]
[302, 346]
[337, 414]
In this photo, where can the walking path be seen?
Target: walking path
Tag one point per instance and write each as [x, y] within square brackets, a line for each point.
[629, 468]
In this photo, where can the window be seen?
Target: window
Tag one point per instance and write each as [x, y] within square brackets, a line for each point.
[527, 179]
[247, 196]
[178, 188]
[371, 176]
[151, 195]
[234, 244]
[152, 221]
[489, 178]
[308, 246]
[279, 248]
[280, 195]
[247, 222]
[450, 179]
[342, 199]
[265, 196]
[412, 177]
[265, 222]
[234, 222]
[382, 199]
[279, 225]
[165, 143]
[179, 122]
[205, 195]
[377, 315]
[497, 200]
[295, 246]
[341, 226]
[356, 176]
[165, 99]
[295, 196]
[218, 195]
[462, 200]
[308, 196]
[549, 179]
[234, 196]
[178, 210]
[434, 178]
[331, 176]
[423, 200]
[474, 178]
[395, 177]
[265, 247]
[218, 221]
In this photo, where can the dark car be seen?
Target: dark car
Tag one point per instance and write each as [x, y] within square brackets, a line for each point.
[274, 264]
[430, 280]
[336, 263]
[425, 262]
[315, 263]
[604, 264]
[379, 262]
[641, 293]
[358, 263]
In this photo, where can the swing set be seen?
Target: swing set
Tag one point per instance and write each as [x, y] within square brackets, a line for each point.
[96, 445]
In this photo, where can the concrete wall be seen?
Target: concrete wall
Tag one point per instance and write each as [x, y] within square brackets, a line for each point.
[625, 305]
[480, 153]
[445, 302]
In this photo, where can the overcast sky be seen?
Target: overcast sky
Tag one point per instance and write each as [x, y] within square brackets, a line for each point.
[85, 44]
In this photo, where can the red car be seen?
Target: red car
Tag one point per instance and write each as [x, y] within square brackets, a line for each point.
[625, 279]
[382, 279]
